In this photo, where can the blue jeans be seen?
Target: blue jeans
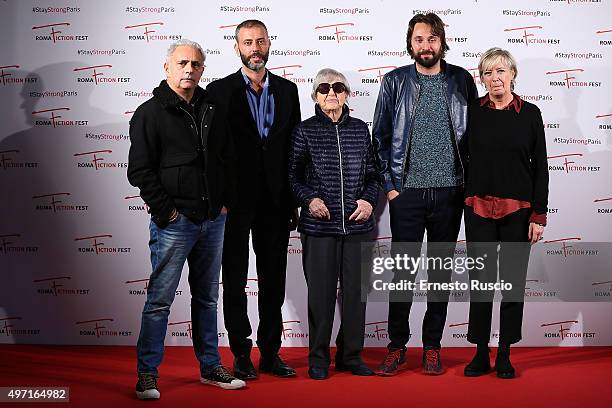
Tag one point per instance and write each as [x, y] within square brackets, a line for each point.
[202, 246]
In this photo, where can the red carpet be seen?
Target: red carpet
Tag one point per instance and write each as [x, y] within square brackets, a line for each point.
[105, 376]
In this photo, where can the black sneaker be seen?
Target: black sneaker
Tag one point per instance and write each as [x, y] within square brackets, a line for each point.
[394, 361]
[146, 387]
[432, 365]
[220, 377]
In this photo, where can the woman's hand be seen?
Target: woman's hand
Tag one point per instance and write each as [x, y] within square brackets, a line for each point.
[536, 232]
[318, 209]
[363, 211]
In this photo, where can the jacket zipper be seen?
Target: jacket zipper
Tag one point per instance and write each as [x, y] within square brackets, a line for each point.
[203, 147]
[341, 180]
[403, 175]
[450, 118]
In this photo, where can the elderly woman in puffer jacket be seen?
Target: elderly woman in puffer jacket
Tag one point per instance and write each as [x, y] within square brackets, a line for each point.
[333, 177]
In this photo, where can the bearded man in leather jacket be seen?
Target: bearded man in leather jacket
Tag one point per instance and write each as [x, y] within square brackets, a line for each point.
[419, 135]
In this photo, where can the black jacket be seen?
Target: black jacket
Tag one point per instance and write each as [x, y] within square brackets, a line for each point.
[260, 165]
[394, 114]
[177, 156]
[334, 162]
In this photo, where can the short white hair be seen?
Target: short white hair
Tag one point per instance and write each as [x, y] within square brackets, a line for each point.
[329, 75]
[493, 55]
[188, 43]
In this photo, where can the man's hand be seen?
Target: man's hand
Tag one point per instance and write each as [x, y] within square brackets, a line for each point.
[392, 194]
[318, 209]
[363, 211]
[536, 232]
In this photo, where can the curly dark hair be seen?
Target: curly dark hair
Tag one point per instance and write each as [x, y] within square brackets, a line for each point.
[437, 29]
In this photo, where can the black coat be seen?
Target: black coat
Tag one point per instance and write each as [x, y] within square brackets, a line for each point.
[176, 159]
[260, 165]
[336, 163]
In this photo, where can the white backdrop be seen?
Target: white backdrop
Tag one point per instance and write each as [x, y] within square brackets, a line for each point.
[74, 260]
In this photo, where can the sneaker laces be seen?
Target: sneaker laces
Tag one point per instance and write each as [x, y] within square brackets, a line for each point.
[148, 381]
[431, 356]
[391, 357]
[223, 374]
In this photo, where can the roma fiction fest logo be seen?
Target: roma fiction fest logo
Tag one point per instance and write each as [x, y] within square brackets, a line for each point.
[376, 331]
[570, 163]
[553, 210]
[569, 78]
[56, 286]
[607, 42]
[536, 288]
[184, 329]
[565, 329]
[476, 75]
[136, 203]
[9, 78]
[55, 203]
[604, 126]
[56, 33]
[603, 201]
[459, 326]
[10, 244]
[232, 37]
[295, 245]
[97, 160]
[341, 33]
[374, 75]
[292, 330]
[55, 118]
[289, 72]
[563, 247]
[139, 287]
[148, 32]
[97, 245]
[454, 39]
[603, 289]
[12, 326]
[529, 36]
[99, 328]
[9, 160]
[97, 74]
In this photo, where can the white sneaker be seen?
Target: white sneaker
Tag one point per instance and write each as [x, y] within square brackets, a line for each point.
[146, 387]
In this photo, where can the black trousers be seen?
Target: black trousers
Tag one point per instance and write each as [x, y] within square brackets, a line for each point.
[437, 210]
[325, 260]
[483, 237]
[270, 237]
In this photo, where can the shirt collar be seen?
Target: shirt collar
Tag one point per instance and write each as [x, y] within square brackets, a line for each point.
[516, 103]
[266, 81]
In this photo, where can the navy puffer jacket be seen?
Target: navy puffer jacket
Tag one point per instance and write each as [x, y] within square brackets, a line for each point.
[334, 162]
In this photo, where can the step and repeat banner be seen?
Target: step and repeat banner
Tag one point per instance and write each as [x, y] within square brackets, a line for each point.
[74, 260]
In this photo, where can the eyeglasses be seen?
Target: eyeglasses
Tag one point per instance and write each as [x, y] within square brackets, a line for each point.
[324, 88]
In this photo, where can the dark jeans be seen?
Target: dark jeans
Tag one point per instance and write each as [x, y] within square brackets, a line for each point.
[270, 237]
[483, 236]
[437, 210]
[325, 260]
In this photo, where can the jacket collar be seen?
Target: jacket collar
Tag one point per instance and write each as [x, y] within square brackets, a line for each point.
[322, 116]
[170, 99]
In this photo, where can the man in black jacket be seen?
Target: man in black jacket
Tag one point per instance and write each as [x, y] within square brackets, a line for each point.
[176, 160]
[419, 128]
[260, 110]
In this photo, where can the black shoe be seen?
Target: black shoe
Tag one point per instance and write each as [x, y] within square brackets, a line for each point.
[275, 366]
[504, 367]
[359, 369]
[480, 364]
[318, 373]
[394, 361]
[220, 377]
[244, 368]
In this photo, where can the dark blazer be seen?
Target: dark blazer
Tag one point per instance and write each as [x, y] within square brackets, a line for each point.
[258, 163]
[166, 159]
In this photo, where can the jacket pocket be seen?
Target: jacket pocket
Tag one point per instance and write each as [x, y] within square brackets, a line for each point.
[179, 174]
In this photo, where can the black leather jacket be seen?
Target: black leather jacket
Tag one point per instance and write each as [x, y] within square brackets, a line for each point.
[393, 118]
